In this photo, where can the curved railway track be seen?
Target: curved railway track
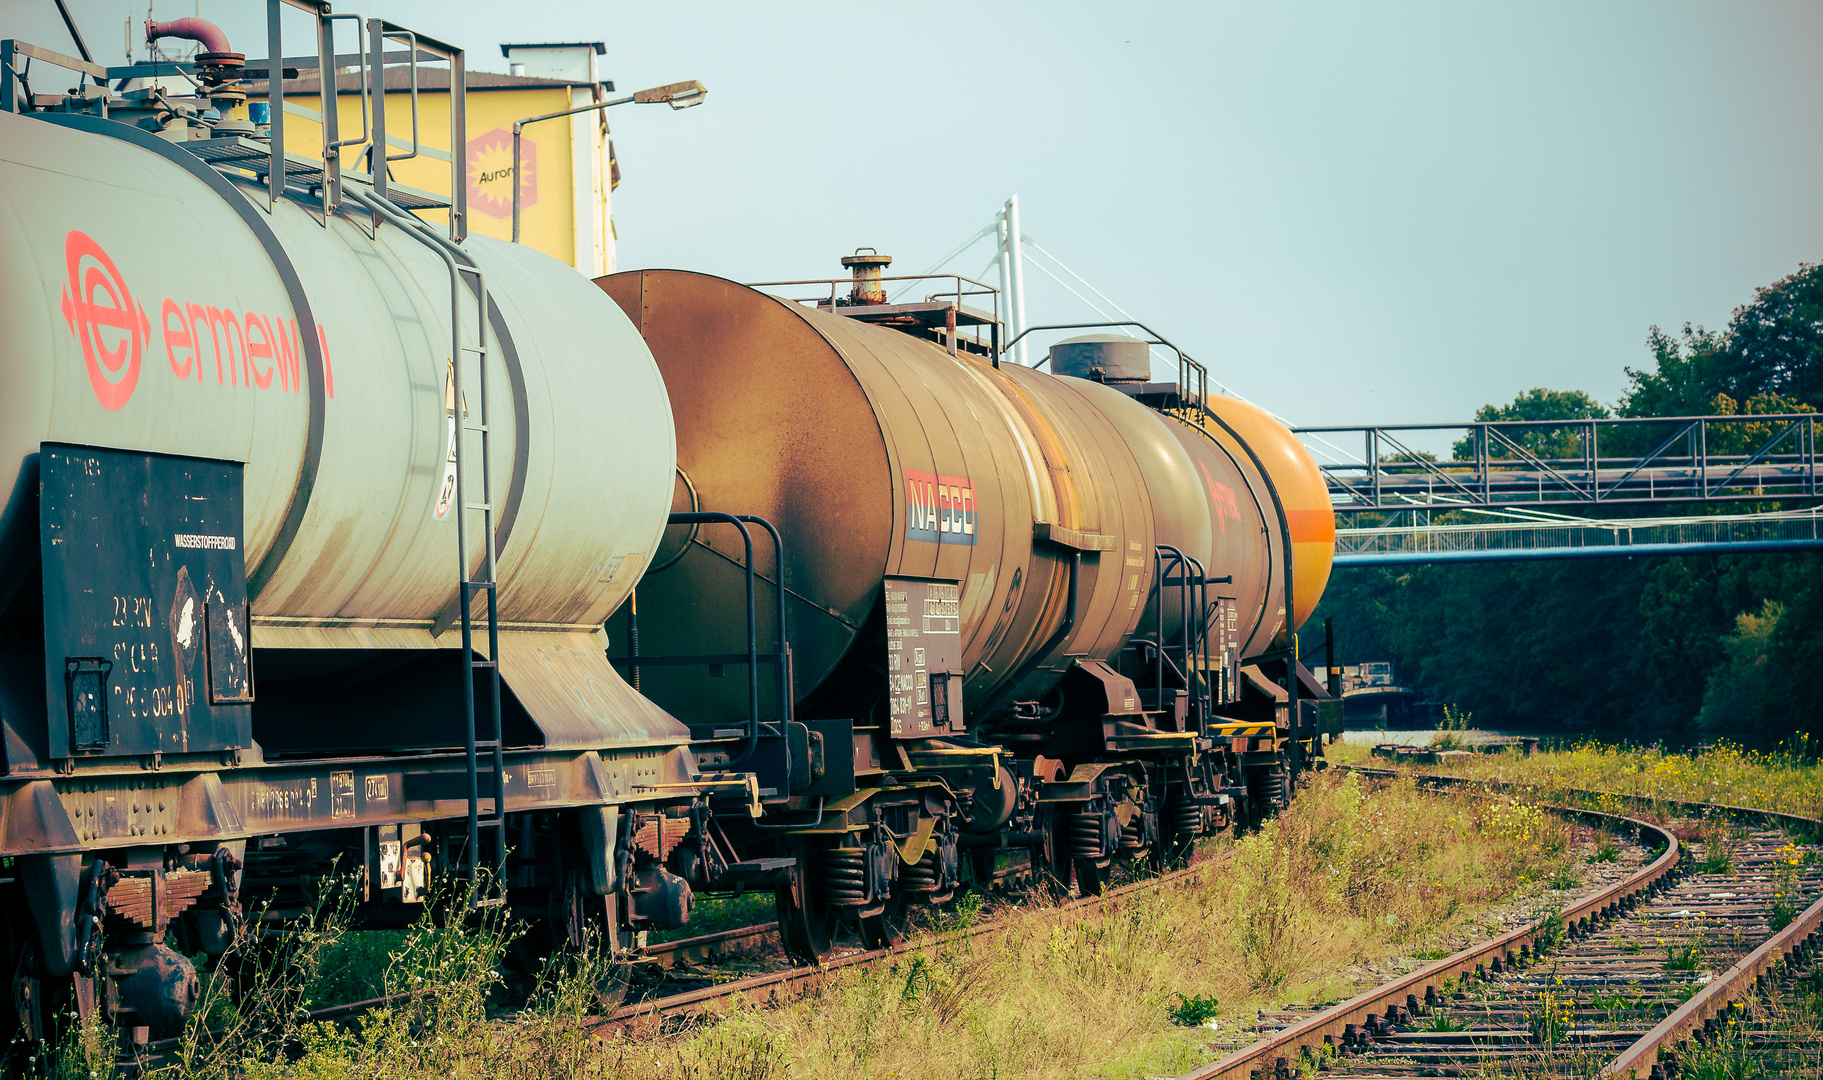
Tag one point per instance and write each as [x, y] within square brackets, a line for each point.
[1613, 985]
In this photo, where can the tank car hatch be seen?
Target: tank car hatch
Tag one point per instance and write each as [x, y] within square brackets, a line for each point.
[146, 642]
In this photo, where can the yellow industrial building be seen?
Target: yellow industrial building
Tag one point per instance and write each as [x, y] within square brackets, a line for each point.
[567, 171]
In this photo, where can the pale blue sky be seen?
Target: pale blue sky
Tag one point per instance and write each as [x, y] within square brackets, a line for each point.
[1352, 212]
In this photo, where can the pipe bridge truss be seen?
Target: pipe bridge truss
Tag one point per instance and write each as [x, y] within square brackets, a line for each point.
[1686, 459]
[1501, 493]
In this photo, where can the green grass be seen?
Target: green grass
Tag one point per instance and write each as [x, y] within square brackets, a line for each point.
[1350, 874]
[1194, 1011]
[1605, 852]
[1789, 779]
[713, 914]
[1685, 957]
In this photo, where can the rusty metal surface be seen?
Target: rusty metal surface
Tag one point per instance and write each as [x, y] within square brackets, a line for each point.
[840, 433]
[769, 422]
[1097, 488]
[1183, 507]
[1245, 542]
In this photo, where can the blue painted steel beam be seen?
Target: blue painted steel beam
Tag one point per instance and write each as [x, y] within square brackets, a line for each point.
[1605, 551]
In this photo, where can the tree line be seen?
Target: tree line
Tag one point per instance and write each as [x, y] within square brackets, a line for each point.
[1678, 648]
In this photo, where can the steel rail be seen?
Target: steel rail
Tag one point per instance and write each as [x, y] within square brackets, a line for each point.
[668, 954]
[1712, 1000]
[1720, 993]
[1311, 1036]
[1753, 971]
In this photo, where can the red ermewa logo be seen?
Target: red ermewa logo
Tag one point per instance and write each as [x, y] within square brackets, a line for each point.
[113, 330]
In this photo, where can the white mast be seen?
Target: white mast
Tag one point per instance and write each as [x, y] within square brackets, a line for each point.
[1012, 275]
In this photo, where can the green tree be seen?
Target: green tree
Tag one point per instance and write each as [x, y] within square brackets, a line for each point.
[1538, 404]
[1777, 340]
[1736, 698]
[1773, 345]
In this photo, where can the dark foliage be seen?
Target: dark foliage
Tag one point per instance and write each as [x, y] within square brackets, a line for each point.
[1672, 648]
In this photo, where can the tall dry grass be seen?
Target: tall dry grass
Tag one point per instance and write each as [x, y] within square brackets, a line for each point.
[1352, 873]
[1349, 875]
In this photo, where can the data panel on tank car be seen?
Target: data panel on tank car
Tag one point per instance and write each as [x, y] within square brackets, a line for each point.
[145, 603]
[924, 656]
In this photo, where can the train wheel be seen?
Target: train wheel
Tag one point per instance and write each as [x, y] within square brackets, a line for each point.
[887, 929]
[806, 923]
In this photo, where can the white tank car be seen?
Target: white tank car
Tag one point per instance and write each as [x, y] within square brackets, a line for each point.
[149, 304]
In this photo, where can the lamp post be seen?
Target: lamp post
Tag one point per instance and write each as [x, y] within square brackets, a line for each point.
[681, 95]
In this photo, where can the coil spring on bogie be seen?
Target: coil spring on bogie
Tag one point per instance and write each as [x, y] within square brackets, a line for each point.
[845, 876]
[1084, 838]
[921, 876]
[1133, 834]
[1186, 819]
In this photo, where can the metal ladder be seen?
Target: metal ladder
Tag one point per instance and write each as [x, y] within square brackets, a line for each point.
[482, 719]
[483, 739]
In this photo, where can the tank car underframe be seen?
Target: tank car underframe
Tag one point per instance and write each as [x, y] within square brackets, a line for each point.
[110, 868]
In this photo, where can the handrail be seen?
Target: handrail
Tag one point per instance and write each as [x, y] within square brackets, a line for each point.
[753, 656]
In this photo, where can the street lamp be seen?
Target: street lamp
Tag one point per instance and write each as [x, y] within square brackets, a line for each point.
[681, 95]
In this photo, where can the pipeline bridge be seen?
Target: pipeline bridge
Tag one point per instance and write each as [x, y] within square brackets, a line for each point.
[1560, 489]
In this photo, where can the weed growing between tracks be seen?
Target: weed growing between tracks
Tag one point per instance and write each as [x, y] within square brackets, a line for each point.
[1351, 874]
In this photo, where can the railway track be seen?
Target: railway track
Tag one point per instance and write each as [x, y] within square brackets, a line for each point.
[708, 947]
[1616, 985]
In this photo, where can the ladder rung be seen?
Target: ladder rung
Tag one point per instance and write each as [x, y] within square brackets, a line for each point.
[481, 584]
[482, 664]
[476, 349]
[481, 506]
[474, 427]
[491, 902]
[487, 744]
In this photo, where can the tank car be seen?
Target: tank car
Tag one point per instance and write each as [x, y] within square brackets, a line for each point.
[947, 607]
[310, 515]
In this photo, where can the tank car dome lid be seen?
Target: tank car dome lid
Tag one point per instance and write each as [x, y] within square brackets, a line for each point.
[1111, 357]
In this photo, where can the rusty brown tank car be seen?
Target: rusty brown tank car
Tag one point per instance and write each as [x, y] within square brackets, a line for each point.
[1027, 609]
